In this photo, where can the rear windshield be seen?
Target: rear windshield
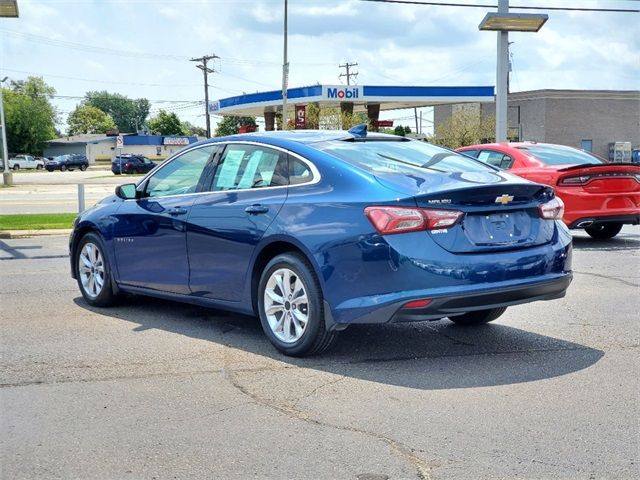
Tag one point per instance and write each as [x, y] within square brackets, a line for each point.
[401, 157]
[559, 155]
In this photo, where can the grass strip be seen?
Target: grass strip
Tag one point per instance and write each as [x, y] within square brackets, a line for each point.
[37, 221]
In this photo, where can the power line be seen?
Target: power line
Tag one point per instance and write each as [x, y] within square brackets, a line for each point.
[202, 65]
[96, 80]
[475, 5]
[348, 74]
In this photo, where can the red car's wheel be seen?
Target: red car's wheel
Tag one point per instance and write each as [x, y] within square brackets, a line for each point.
[604, 231]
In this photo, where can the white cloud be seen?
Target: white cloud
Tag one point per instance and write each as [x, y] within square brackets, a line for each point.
[393, 44]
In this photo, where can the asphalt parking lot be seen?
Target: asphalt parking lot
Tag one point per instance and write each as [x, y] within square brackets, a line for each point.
[152, 389]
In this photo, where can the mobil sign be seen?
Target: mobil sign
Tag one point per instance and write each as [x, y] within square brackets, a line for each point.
[341, 92]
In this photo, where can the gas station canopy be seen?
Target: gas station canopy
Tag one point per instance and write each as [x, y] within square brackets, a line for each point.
[361, 97]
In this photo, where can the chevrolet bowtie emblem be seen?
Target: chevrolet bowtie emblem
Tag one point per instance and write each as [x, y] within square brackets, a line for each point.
[504, 199]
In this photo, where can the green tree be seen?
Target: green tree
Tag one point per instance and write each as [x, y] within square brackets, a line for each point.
[191, 129]
[230, 125]
[465, 127]
[399, 130]
[88, 119]
[129, 115]
[29, 115]
[166, 123]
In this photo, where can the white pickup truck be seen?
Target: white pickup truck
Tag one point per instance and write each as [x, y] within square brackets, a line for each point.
[25, 161]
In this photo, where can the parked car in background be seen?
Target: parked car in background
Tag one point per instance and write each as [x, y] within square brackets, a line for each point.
[132, 164]
[315, 230]
[599, 197]
[26, 162]
[67, 162]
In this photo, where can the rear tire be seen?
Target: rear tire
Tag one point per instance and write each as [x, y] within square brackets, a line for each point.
[16, 167]
[604, 231]
[291, 307]
[479, 317]
[93, 272]
[63, 168]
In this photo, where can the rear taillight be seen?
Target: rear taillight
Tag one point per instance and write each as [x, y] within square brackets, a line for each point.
[578, 180]
[389, 220]
[552, 210]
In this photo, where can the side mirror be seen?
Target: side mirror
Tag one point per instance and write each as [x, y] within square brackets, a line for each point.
[127, 191]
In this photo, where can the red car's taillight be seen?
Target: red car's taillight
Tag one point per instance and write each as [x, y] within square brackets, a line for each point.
[389, 220]
[578, 180]
[552, 210]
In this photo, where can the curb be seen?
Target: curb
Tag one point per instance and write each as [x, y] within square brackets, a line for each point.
[34, 233]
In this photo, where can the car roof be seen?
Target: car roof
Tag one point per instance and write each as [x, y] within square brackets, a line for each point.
[512, 145]
[304, 137]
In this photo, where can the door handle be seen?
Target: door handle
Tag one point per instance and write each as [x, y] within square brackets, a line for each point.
[174, 212]
[256, 209]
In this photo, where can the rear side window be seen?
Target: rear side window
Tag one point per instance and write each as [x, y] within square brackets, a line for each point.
[401, 157]
[249, 166]
[299, 172]
[559, 155]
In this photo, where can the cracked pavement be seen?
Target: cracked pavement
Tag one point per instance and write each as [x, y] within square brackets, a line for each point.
[153, 389]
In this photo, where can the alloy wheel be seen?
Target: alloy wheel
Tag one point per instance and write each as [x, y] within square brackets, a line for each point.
[286, 305]
[91, 269]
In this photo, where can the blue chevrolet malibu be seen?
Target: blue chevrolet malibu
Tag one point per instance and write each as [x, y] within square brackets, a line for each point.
[315, 230]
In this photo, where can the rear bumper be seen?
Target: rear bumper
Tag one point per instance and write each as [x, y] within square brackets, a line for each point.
[456, 301]
[595, 220]
[495, 298]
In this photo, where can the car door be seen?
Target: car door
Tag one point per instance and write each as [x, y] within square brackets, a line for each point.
[247, 191]
[150, 233]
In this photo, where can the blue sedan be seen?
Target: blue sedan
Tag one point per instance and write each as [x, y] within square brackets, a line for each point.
[313, 231]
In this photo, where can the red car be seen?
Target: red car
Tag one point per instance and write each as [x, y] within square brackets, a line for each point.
[599, 197]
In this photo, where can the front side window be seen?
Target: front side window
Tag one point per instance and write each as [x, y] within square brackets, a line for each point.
[249, 166]
[497, 159]
[404, 157]
[181, 175]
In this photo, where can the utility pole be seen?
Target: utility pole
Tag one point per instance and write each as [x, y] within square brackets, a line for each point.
[7, 176]
[285, 72]
[206, 70]
[502, 75]
[349, 74]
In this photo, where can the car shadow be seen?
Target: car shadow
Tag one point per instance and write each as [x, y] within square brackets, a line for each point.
[424, 355]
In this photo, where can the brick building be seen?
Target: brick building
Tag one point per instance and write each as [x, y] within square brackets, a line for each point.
[587, 119]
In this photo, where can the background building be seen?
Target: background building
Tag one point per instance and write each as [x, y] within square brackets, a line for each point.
[586, 119]
[102, 148]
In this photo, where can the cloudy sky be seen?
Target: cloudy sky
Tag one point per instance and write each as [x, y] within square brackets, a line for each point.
[141, 48]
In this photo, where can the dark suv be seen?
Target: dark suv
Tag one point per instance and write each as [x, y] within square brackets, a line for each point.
[67, 162]
[131, 164]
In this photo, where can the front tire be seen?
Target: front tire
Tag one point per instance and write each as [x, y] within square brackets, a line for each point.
[93, 272]
[479, 317]
[604, 231]
[39, 167]
[63, 168]
[83, 168]
[291, 307]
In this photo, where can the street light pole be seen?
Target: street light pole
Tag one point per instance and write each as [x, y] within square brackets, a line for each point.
[285, 73]
[7, 176]
[502, 73]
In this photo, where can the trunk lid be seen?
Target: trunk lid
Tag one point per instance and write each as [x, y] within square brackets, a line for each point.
[500, 210]
[602, 178]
